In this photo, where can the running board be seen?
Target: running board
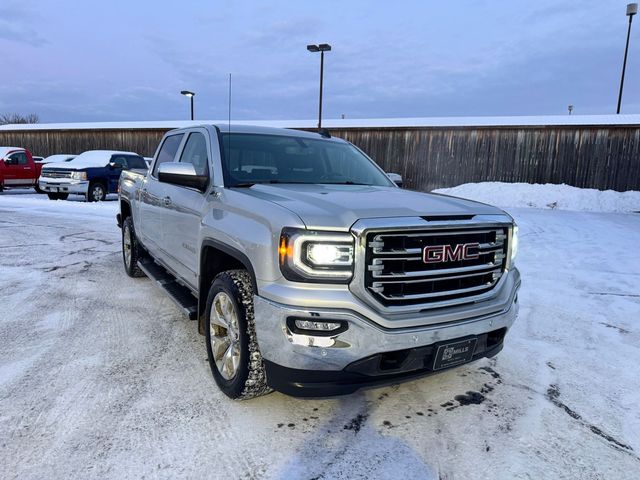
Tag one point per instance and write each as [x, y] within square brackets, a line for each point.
[180, 295]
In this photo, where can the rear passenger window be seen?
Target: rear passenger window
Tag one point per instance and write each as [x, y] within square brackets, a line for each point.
[195, 152]
[168, 151]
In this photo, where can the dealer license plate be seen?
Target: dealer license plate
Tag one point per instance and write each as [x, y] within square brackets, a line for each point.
[455, 353]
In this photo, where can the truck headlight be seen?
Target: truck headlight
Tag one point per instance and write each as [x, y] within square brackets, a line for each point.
[308, 256]
[79, 175]
[514, 243]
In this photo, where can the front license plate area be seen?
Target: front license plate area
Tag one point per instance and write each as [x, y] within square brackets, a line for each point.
[454, 353]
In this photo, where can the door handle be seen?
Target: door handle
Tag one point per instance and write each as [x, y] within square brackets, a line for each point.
[167, 201]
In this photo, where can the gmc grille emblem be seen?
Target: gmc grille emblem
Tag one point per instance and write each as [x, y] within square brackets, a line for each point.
[450, 253]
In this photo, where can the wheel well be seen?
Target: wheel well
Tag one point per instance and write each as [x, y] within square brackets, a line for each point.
[216, 258]
[125, 210]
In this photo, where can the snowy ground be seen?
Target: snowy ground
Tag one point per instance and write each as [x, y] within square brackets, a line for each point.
[101, 377]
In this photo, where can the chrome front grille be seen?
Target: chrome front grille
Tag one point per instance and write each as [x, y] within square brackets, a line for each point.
[397, 274]
[55, 174]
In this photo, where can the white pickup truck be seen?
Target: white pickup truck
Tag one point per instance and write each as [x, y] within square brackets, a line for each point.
[308, 270]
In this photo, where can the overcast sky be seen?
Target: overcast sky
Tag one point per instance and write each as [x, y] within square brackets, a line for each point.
[128, 60]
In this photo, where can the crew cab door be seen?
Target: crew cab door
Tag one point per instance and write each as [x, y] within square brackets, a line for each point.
[184, 207]
[115, 167]
[151, 222]
[19, 170]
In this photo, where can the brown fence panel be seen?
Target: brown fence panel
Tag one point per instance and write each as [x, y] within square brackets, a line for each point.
[602, 157]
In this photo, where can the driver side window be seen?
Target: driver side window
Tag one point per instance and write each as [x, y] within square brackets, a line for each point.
[120, 162]
[18, 158]
[195, 153]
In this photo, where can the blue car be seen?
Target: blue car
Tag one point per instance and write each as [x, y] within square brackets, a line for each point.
[94, 174]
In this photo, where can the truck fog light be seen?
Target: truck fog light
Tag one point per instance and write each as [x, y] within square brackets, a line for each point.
[306, 326]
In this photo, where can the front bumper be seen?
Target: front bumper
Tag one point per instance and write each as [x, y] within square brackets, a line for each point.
[63, 185]
[304, 365]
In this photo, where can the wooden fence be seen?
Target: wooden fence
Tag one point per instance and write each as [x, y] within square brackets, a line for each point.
[602, 157]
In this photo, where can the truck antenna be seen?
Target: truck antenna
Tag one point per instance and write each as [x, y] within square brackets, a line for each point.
[229, 103]
[229, 124]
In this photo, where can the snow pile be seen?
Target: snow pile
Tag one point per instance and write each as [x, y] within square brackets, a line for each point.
[561, 197]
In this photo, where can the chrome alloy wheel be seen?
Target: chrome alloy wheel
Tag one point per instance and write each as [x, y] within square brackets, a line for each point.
[225, 335]
[98, 192]
[126, 245]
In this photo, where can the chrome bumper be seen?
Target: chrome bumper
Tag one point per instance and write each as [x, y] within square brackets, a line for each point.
[365, 337]
[64, 186]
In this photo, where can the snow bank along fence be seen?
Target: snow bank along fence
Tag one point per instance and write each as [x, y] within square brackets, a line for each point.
[600, 152]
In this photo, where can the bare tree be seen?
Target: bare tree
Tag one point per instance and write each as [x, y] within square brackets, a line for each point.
[7, 118]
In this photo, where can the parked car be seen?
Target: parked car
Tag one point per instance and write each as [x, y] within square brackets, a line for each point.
[395, 178]
[311, 272]
[59, 158]
[94, 174]
[17, 168]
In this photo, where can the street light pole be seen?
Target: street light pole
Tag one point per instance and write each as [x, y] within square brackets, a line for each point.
[632, 9]
[189, 94]
[323, 47]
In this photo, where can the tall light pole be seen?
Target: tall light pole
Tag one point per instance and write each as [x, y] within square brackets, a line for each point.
[189, 94]
[323, 47]
[632, 9]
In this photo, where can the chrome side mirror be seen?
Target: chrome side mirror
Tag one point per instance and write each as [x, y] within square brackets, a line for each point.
[183, 174]
[395, 178]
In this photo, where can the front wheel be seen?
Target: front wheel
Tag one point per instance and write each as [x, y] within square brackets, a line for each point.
[232, 345]
[131, 249]
[97, 192]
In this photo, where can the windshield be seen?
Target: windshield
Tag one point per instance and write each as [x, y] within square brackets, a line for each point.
[256, 158]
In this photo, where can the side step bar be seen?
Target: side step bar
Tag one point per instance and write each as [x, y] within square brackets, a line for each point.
[180, 295]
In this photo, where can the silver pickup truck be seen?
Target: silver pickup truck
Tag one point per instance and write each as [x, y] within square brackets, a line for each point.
[309, 271]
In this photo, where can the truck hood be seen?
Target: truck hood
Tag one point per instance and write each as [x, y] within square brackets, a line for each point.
[340, 206]
[70, 165]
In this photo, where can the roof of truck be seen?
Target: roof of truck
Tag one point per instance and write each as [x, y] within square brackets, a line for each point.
[5, 150]
[241, 128]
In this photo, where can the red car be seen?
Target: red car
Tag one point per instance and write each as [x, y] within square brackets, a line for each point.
[17, 168]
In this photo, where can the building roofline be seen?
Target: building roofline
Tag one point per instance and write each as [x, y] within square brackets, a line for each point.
[425, 122]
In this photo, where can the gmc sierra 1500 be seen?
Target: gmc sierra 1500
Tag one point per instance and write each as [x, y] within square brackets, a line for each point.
[309, 271]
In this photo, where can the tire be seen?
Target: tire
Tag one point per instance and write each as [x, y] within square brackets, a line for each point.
[97, 192]
[57, 196]
[249, 379]
[131, 249]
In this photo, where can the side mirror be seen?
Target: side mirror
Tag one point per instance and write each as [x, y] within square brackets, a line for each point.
[395, 178]
[183, 174]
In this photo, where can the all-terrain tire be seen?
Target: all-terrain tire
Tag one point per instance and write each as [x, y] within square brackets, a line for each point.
[97, 192]
[132, 251]
[250, 379]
